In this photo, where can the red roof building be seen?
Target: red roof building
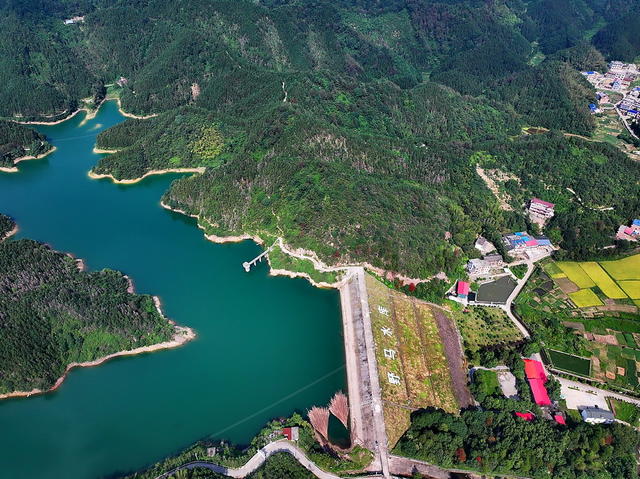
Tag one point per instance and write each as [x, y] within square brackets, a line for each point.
[463, 289]
[537, 377]
[542, 202]
[527, 416]
[559, 418]
[540, 394]
[534, 370]
[291, 433]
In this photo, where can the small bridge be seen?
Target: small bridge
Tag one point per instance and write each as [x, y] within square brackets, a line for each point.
[248, 264]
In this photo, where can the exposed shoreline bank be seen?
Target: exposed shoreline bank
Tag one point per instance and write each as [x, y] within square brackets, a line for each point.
[96, 176]
[10, 233]
[91, 113]
[131, 115]
[14, 169]
[182, 335]
[102, 150]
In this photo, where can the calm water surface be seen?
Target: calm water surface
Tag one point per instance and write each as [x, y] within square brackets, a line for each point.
[265, 347]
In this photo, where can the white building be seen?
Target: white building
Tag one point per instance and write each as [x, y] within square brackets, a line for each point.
[595, 415]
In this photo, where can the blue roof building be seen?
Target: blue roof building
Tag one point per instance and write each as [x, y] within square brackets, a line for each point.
[635, 222]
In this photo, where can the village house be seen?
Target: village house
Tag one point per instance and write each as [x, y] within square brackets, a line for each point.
[484, 246]
[485, 265]
[540, 211]
[525, 245]
[629, 233]
[72, 20]
[595, 415]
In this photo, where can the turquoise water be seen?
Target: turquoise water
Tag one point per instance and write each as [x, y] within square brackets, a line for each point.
[265, 347]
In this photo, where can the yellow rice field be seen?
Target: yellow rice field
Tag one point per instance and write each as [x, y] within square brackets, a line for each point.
[623, 269]
[576, 274]
[632, 288]
[585, 298]
[603, 280]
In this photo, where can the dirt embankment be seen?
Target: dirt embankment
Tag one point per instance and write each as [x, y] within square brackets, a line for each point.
[455, 356]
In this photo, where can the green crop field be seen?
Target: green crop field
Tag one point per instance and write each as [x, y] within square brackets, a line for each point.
[576, 274]
[600, 277]
[623, 269]
[585, 298]
[570, 363]
[632, 288]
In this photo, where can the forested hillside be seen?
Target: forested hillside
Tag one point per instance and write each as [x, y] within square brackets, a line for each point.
[347, 127]
[53, 314]
[17, 141]
[498, 443]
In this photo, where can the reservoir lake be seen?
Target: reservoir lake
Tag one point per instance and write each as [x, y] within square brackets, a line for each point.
[265, 347]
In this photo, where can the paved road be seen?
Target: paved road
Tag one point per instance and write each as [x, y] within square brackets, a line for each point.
[381, 452]
[256, 461]
[514, 294]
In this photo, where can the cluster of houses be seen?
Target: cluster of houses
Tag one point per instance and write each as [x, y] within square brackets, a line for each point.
[523, 245]
[630, 104]
[629, 233]
[537, 378]
[619, 77]
[490, 262]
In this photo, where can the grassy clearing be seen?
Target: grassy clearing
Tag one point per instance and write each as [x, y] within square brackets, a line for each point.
[623, 269]
[625, 411]
[585, 298]
[576, 274]
[603, 280]
[279, 260]
[413, 351]
[570, 363]
[632, 288]
[398, 420]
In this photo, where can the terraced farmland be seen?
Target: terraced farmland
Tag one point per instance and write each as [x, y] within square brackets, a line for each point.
[623, 269]
[596, 284]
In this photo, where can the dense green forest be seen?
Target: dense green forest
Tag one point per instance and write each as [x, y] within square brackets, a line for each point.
[346, 127]
[6, 225]
[53, 314]
[17, 141]
[500, 443]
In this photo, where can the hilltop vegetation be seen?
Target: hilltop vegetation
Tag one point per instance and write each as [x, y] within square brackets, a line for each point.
[346, 127]
[17, 141]
[52, 314]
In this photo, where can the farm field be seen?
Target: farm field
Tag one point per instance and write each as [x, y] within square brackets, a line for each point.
[632, 288]
[585, 298]
[605, 285]
[623, 269]
[606, 336]
[413, 367]
[602, 280]
[576, 274]
[569, 362]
